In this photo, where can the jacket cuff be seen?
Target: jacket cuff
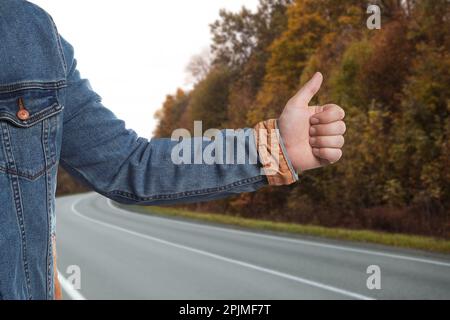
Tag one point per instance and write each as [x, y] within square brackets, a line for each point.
[272, 154]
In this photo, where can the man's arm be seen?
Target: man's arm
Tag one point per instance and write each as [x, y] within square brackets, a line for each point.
[114, 161]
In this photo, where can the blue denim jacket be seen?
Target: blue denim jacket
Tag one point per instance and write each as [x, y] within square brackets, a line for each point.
[62, 121]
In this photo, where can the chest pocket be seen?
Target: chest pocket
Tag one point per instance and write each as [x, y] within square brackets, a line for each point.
[30, 126]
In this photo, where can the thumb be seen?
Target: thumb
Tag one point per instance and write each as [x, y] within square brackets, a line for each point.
[307, 92]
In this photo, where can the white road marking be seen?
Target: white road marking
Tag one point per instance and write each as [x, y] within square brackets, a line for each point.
[298, 241]
[222, 258]
[73, 293]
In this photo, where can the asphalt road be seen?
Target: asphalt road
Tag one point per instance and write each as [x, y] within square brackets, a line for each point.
[125, 255]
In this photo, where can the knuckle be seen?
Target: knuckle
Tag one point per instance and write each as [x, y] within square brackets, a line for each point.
[322, 128]
[322, 153]
[318, 110]
[317, 141]
[336, 111]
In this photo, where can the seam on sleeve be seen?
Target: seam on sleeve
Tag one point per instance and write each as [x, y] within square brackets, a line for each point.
[168, 196]
[187, 194]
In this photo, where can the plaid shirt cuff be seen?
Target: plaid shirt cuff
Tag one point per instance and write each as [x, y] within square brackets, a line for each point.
[272, 154]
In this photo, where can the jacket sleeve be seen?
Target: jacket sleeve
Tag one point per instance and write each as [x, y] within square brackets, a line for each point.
[115, 162]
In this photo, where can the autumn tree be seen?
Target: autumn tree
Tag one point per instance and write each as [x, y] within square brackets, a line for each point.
[172, 114]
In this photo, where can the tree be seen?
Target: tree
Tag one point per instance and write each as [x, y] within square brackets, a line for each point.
[209, 99]
[199, 66]
[172, 114]
[236, 36]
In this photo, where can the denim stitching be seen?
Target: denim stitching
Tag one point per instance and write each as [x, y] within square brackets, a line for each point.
[38, 116]
[187, 193]
[45, 146]
[42, 115]
[58, 41]
[26, 85]
[27, 176]
[174, 195]
[15, 186]
[80, 110]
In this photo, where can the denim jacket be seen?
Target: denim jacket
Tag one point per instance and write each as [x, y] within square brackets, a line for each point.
[49, 115]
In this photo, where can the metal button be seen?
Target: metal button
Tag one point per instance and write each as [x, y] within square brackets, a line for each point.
[23, 113]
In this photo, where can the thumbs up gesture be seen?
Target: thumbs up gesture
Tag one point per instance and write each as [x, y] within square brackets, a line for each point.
[313, 135]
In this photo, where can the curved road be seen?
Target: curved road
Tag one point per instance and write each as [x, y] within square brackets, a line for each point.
[126, 255]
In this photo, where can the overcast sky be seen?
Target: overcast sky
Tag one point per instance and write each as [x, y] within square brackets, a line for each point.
[135, 52]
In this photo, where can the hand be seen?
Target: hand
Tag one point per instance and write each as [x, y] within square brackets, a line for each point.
[313, 136]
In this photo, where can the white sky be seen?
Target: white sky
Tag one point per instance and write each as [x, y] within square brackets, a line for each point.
[135, 52]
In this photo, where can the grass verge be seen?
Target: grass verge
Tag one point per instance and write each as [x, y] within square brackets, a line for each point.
[368, 236]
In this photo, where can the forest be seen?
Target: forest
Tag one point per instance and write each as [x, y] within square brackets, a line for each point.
[393, 83]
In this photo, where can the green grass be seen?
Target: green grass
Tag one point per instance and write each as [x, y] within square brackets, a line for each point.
[391, 239]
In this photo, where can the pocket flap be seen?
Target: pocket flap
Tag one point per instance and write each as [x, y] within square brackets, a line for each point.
[39, 104]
